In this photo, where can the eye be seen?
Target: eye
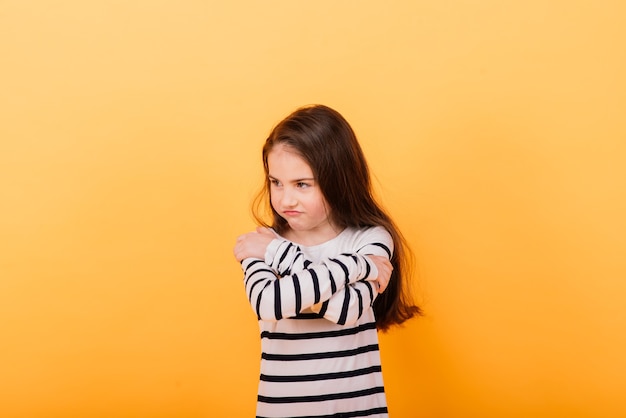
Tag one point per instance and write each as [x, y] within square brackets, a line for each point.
[275, 182]
[302, 185]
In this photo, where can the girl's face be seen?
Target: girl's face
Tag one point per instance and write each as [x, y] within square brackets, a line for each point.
[296, 196]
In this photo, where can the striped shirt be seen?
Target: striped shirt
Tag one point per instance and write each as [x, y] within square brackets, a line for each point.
[319, 343]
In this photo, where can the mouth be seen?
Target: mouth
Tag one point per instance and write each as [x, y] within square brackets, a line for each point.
[291, 212]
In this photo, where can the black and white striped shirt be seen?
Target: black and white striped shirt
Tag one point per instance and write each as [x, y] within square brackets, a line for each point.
[319, 343]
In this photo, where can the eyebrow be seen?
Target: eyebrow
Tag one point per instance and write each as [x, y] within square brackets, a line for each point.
[294, 180]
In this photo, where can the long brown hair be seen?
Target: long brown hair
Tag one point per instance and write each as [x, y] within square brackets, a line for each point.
[325, 140]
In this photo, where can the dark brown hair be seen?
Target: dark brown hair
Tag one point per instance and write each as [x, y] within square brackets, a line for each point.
[325, 140]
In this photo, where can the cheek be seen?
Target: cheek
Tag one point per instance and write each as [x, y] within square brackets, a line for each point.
[322, 207]
[274, 198]
[328, 211]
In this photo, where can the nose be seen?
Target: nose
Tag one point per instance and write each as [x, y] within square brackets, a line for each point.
[288, 199]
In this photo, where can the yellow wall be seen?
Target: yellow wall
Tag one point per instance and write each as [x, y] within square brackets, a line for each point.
[130, 135]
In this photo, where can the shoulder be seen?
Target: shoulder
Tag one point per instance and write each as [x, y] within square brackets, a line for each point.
[371, 240]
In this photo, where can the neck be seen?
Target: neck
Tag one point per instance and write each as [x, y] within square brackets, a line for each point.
[312, 238]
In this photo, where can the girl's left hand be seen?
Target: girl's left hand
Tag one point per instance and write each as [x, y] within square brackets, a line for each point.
[253, 244]
[384, 267]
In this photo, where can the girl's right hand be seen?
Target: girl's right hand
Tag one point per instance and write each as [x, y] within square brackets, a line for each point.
[384, 267]
[253, 244]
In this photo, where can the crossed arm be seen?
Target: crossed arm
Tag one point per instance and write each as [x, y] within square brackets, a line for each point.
[284, 284]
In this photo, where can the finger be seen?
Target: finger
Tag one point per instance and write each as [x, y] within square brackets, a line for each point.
[381, 287]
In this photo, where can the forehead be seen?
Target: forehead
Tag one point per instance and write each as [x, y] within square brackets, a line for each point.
[285, 163]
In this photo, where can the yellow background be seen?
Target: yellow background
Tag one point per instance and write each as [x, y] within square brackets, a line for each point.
[130, 142]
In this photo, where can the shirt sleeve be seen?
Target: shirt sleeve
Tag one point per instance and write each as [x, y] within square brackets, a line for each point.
[347, 305]
[274, 297]
[284, 257]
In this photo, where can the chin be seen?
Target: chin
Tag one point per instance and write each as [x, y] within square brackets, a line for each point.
[298, 228]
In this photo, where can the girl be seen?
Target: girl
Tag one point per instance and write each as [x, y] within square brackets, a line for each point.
[330, 272]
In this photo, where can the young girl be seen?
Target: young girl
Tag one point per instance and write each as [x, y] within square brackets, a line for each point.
[330, 272]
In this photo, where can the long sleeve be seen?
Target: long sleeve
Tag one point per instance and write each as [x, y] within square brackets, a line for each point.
[274, 298]
[284, 257]
[347, 305]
